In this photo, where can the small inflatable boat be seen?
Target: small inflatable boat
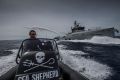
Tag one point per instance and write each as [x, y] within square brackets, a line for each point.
[40, 64]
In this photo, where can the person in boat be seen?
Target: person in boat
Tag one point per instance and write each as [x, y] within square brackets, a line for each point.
[32, 43]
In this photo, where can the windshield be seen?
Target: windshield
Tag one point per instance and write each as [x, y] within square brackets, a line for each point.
[38, 45]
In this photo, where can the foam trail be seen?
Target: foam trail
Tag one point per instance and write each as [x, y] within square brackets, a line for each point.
[99, 40]
[88, 67]
[7, 62]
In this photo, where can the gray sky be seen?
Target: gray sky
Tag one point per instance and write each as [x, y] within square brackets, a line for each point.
[57, 15]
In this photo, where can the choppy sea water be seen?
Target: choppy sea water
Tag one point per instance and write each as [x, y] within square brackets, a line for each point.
[95, 60]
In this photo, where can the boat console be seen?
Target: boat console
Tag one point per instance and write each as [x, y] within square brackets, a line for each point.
[38, 65]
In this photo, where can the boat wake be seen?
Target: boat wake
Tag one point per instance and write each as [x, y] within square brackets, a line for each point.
[88, 67]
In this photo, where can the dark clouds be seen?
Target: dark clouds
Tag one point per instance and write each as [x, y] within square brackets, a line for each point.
[57, 3]
[60, 5]
[59, 14]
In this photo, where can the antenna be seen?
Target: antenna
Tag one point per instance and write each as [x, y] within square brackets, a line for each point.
[43, 29]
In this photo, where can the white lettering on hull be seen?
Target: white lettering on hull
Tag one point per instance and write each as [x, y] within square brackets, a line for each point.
[40, 76]
[45, 75]
[26, 77]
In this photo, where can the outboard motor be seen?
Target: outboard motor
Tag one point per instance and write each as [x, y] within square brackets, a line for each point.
[38, 65]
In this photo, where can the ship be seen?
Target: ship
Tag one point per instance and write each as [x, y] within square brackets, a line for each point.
[78, 32]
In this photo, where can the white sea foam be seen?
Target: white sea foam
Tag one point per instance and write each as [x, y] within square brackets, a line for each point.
[99, 40]
[88, 67]
[7, 62]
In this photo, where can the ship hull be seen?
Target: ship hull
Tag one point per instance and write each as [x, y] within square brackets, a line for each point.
[89, 34]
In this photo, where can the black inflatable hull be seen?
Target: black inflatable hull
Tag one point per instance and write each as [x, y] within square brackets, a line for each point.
[10, 74]
[67, 73]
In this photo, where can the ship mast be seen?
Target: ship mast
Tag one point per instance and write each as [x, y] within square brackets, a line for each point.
[77, 27]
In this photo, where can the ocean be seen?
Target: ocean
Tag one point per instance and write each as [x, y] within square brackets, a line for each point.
[97, 58]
